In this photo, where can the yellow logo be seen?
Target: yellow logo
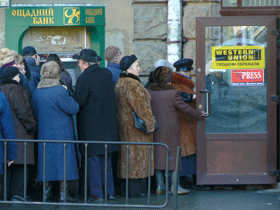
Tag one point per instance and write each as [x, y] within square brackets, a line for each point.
[71, 15]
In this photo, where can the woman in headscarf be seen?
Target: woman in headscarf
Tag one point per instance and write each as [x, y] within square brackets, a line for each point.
[166, 101]
[131, 96]
[53, 108]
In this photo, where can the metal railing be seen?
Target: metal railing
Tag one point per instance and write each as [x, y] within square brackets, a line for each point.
[85, 201]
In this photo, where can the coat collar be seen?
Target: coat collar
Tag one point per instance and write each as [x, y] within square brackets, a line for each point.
[180, 79]
[114, 65]
[125, 74]
[161, 86]
[10, 81]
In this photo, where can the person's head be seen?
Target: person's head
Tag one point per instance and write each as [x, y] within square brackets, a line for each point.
[130, 64]
[8, 59]
[19, 63]
[163, 75]
[29, 51]
[87, 58]
[113, 54]
[55, 57]
[3, 53]
[184, 66]
[50, 70]
[50, 75]
[9, 73]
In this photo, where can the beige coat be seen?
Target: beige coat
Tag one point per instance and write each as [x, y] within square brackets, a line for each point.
[132, 96]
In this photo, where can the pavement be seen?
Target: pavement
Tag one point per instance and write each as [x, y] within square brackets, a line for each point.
[217, 198]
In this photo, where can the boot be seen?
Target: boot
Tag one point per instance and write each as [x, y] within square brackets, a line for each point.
[65, 197]
[48, 191]
[160, 182]
[181, 190]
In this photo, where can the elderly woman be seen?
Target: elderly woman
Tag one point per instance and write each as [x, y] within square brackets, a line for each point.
[166, 101]
[53, 108]
[131, 96]
[24, 124]
[12, 58]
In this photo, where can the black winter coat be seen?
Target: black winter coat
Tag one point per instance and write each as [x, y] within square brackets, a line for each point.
[97, 119]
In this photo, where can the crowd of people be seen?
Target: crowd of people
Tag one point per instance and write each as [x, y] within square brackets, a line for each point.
[38, 103]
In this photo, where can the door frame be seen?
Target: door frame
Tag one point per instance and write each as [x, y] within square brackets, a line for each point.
[270, 136]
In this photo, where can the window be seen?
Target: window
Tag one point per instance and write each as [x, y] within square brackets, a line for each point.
[250, 8]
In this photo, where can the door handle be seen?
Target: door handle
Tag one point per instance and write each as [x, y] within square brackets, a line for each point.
[207, 99]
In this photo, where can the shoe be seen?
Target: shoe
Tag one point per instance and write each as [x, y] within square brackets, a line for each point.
[111, 197]
[183, 191]
[20, 199]
[160, 192]
[66, 198]
[93, 198]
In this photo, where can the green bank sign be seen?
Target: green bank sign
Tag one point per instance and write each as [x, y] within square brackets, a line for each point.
[56, 16]
[18, 20]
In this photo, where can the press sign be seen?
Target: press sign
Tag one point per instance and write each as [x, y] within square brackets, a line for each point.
[247, 77]
[238, 57]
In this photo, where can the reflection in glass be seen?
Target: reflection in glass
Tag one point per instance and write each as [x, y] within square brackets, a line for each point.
[260, 3]
[235, 108]
[229, 3]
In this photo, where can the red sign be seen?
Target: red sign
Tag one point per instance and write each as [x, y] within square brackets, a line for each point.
[247, 77]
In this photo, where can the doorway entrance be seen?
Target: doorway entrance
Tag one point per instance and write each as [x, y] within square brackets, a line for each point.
[236, 74]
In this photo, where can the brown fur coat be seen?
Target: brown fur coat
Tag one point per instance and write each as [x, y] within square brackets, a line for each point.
[132, 96]
[187, 123]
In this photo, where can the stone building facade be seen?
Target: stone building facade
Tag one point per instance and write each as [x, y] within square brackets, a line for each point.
[139, 26]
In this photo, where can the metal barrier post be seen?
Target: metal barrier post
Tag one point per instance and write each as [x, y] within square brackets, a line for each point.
[106, 172]
[5, 171]
[25, 171]
[176, 179]
[64, 177]
[149, 178]
[44, 174]
[127, 174]
[86, 160]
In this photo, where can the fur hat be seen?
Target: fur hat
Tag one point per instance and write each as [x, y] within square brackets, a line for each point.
[112, 54]
[8, 58]
[8, 73]
[28, 51]
[162, 74]
[127, 61]
[162, 62]
[50, 75]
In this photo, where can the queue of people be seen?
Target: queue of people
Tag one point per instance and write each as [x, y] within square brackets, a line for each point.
[39, 103]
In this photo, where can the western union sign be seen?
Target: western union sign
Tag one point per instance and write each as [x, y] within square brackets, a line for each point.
[238, 57]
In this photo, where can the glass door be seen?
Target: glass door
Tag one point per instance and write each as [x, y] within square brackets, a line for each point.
[236, 77]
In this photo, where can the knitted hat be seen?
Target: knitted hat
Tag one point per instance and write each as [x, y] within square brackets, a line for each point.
[162, 62]
[8, 73]
[29, 50]
[127, 61]
[162, 74]
[112, 54]
[50, 70]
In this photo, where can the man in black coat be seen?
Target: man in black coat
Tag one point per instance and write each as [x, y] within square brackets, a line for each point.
[96, 120]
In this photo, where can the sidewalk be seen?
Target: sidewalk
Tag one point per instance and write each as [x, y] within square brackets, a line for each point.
[214, 199]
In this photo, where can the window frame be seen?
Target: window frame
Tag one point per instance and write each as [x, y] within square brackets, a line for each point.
[240, 10]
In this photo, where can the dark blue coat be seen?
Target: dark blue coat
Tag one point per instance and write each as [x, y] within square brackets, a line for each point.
[53, 108]
[7, 131]
[97, 118]
[115, 69]
[35, 73]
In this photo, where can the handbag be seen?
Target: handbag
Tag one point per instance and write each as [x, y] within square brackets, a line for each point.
[140, 123]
